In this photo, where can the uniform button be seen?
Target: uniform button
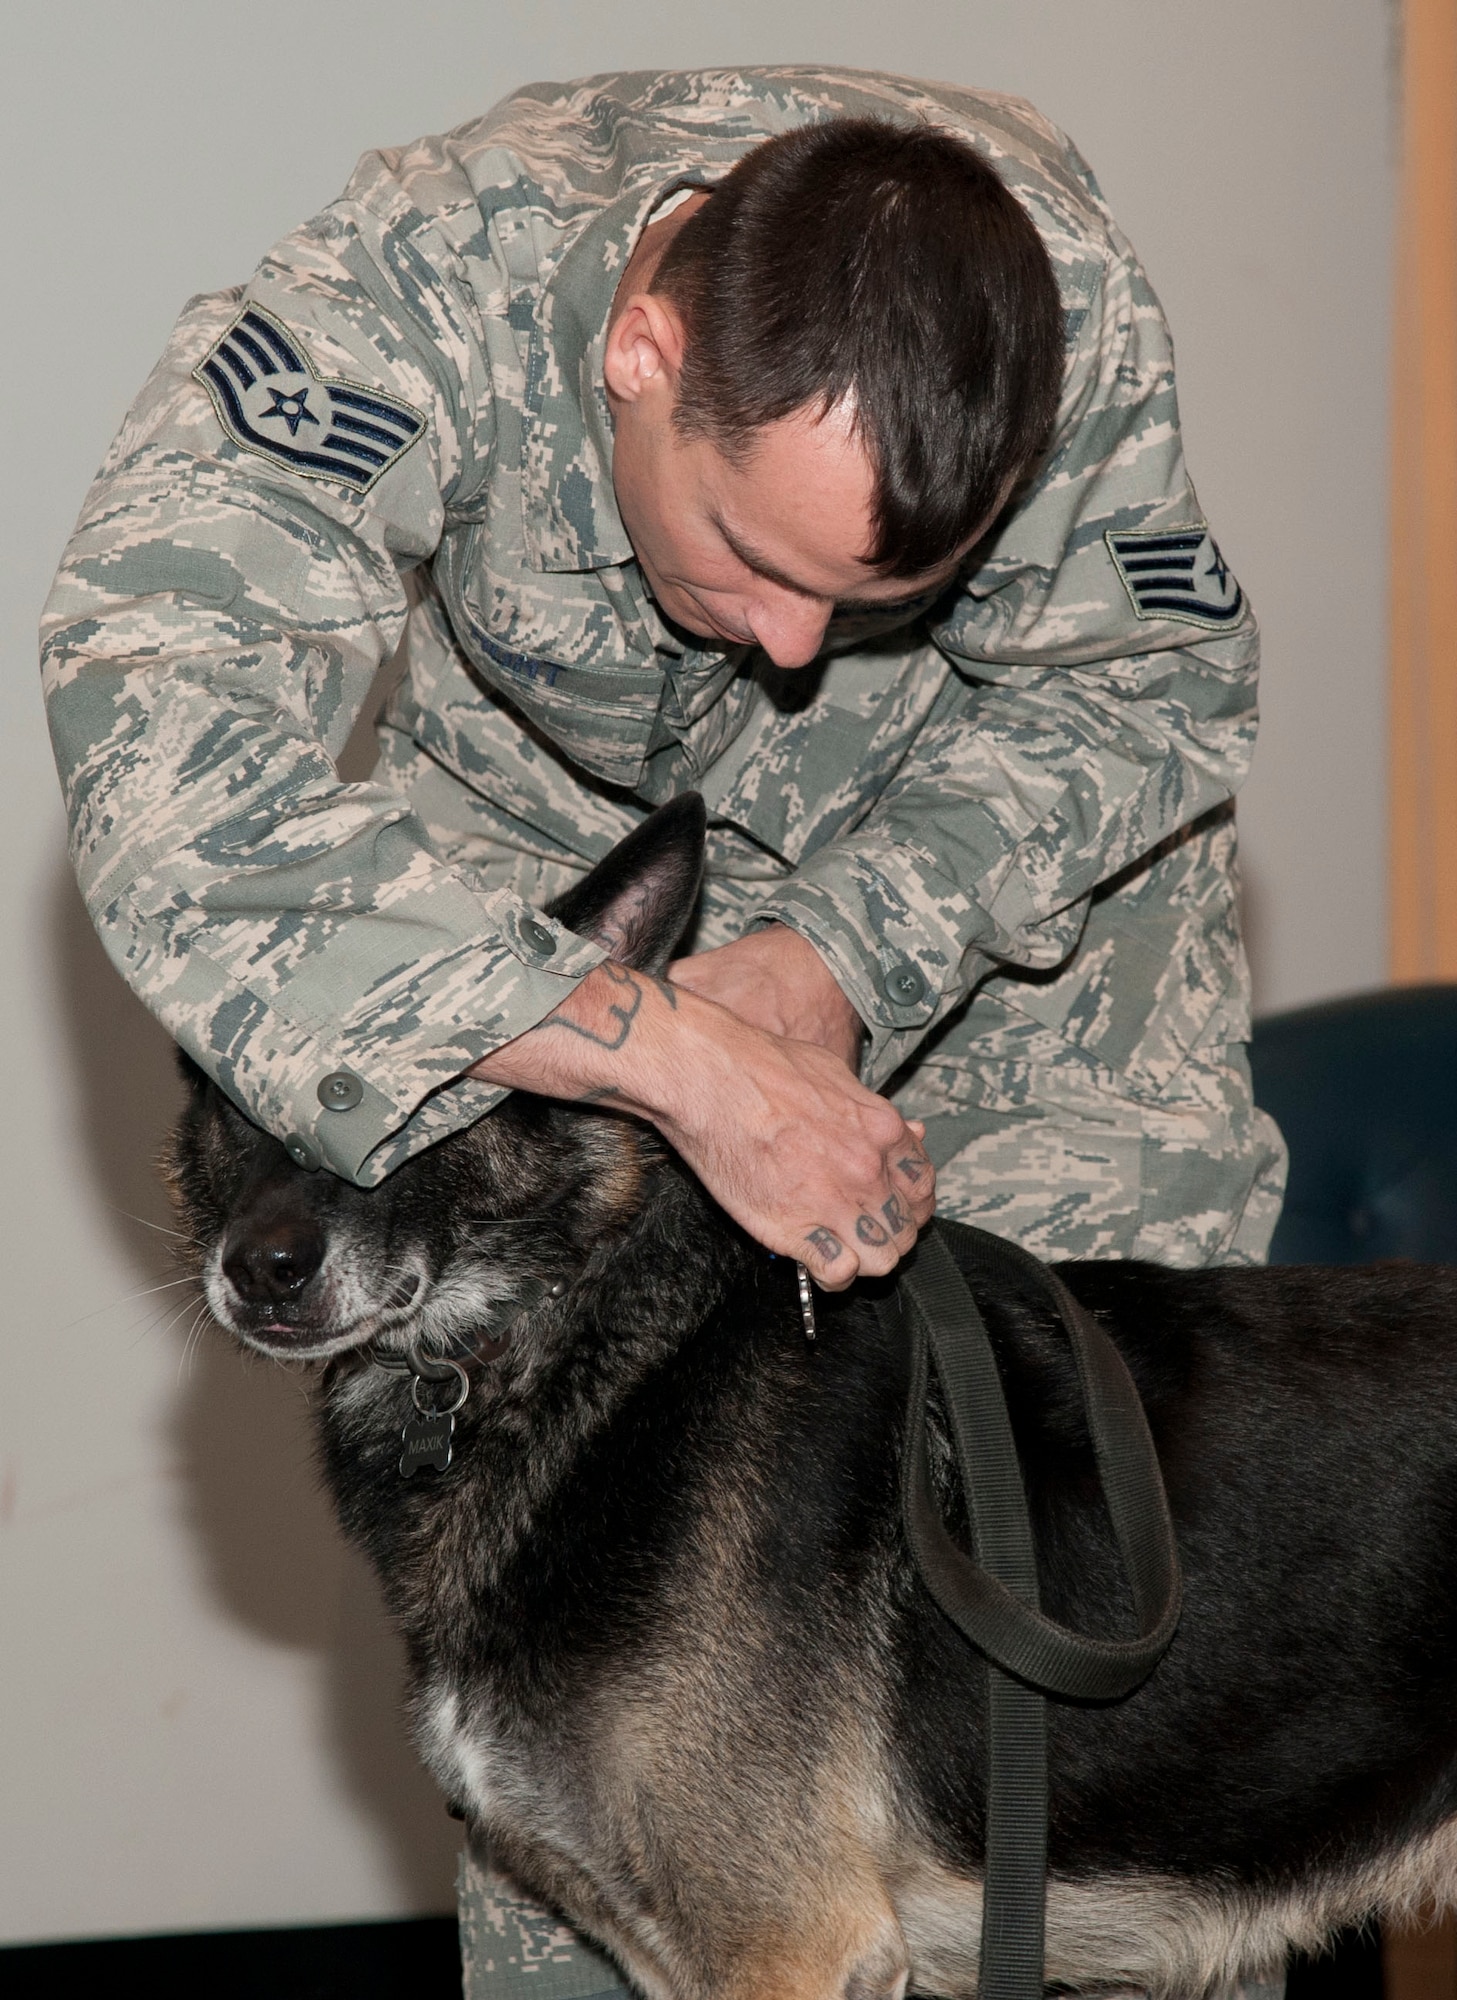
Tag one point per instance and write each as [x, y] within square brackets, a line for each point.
[341, 1090]
[302, 1152]
[538, 935]
[902, 985]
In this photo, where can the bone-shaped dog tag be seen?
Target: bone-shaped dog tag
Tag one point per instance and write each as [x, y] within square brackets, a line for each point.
[425, 1440]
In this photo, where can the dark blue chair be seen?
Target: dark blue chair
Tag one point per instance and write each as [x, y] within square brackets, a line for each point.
[1365, 1091]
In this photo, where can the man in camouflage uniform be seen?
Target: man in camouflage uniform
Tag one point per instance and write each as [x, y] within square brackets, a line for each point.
[1002, 823]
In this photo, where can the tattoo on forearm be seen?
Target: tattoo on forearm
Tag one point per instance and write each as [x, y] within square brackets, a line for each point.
[620, 1014]
[603, 1096]
[826, 1242]
[895, 1214]
[869, 1230]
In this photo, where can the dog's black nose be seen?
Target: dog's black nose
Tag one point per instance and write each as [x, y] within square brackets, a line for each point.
[273, 1261]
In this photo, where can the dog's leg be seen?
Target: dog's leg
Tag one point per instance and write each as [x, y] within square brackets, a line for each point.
[848, 1946]
[845, 1946]
[844, 1952]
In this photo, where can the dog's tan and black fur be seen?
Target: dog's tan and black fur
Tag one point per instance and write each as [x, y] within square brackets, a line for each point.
[667, 1649]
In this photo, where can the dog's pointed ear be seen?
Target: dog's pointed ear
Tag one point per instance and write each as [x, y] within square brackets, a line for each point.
[638, 899]
[192, 1073]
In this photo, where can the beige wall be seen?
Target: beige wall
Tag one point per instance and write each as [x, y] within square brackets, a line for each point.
[196, 1694]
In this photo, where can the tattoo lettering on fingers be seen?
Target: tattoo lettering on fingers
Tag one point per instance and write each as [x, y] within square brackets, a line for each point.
[870, 1231]
[913, 1168]
[826, 1243]
[895, 1215]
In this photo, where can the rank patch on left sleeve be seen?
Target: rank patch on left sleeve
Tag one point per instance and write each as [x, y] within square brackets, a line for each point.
[1177, 573]
[270, 401]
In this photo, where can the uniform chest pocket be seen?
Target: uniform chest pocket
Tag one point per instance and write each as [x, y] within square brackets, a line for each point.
[561, 658]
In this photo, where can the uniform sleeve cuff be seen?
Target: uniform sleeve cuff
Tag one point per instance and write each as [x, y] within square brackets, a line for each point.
[900, 975]
[364, 1091]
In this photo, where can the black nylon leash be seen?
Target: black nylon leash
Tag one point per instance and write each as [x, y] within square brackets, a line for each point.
[992, 1597]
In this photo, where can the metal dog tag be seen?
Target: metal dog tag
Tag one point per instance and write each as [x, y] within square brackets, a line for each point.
[426, 1438]
[426, 1441]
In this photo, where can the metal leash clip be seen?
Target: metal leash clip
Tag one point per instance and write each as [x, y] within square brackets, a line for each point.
[806, 1301]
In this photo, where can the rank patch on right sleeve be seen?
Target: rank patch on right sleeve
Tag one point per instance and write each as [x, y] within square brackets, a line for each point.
[1177, 573]
[270, 401]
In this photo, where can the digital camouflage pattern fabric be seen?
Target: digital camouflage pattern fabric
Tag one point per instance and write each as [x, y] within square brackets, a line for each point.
[514, 1948]
[397, 432]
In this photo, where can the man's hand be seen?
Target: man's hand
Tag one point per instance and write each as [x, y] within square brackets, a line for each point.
[782, 1135]
[775, 979]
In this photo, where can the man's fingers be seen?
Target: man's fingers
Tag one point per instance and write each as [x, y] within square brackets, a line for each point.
[799, 1152]
[898, 1218]
[912, 1172]
[878, 1249]
[827, 1260]
[877, 1237]
[914, 1168]
[883, 1226]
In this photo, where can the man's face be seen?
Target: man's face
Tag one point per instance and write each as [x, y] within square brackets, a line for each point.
[760, 552]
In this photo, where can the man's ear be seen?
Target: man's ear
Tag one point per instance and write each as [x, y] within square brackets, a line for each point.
[644, 352]
[638, 900]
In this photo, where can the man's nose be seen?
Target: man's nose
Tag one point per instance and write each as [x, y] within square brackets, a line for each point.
[790, 628]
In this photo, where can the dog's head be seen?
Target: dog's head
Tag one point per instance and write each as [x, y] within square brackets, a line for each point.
[464, 1235]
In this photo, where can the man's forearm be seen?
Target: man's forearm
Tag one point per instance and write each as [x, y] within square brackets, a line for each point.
[607, 1041]
[775, 979]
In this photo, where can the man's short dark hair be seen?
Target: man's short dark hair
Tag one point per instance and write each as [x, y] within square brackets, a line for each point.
[889, 265]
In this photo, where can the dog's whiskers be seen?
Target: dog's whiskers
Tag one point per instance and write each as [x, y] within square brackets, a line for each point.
[126, 1299]
[182, 1235]
[192, 1344]
[161, 1327]
[178, 1309]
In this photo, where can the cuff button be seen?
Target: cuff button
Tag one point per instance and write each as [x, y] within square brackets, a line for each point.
[902, 984]
[340, 1090]
[538, 936]
[302, 1153]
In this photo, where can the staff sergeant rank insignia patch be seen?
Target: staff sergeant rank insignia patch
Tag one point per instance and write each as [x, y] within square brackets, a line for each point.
[1177, 573]
[270, 401]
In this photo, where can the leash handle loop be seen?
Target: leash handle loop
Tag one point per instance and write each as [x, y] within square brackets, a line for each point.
[994, 1606]
[993, 1599]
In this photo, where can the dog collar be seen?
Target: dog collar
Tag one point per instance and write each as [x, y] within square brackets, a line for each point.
[484, 1348]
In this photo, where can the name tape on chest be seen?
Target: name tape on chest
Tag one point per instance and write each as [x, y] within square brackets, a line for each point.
[272, 403]
[1177, 573]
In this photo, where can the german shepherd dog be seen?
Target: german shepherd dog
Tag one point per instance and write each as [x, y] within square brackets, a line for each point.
[667, 1647]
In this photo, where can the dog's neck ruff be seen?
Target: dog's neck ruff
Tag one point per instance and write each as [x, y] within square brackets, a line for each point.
[427, 1439]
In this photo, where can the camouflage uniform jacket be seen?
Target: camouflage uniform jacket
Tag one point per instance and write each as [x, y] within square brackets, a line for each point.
[412, 382]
